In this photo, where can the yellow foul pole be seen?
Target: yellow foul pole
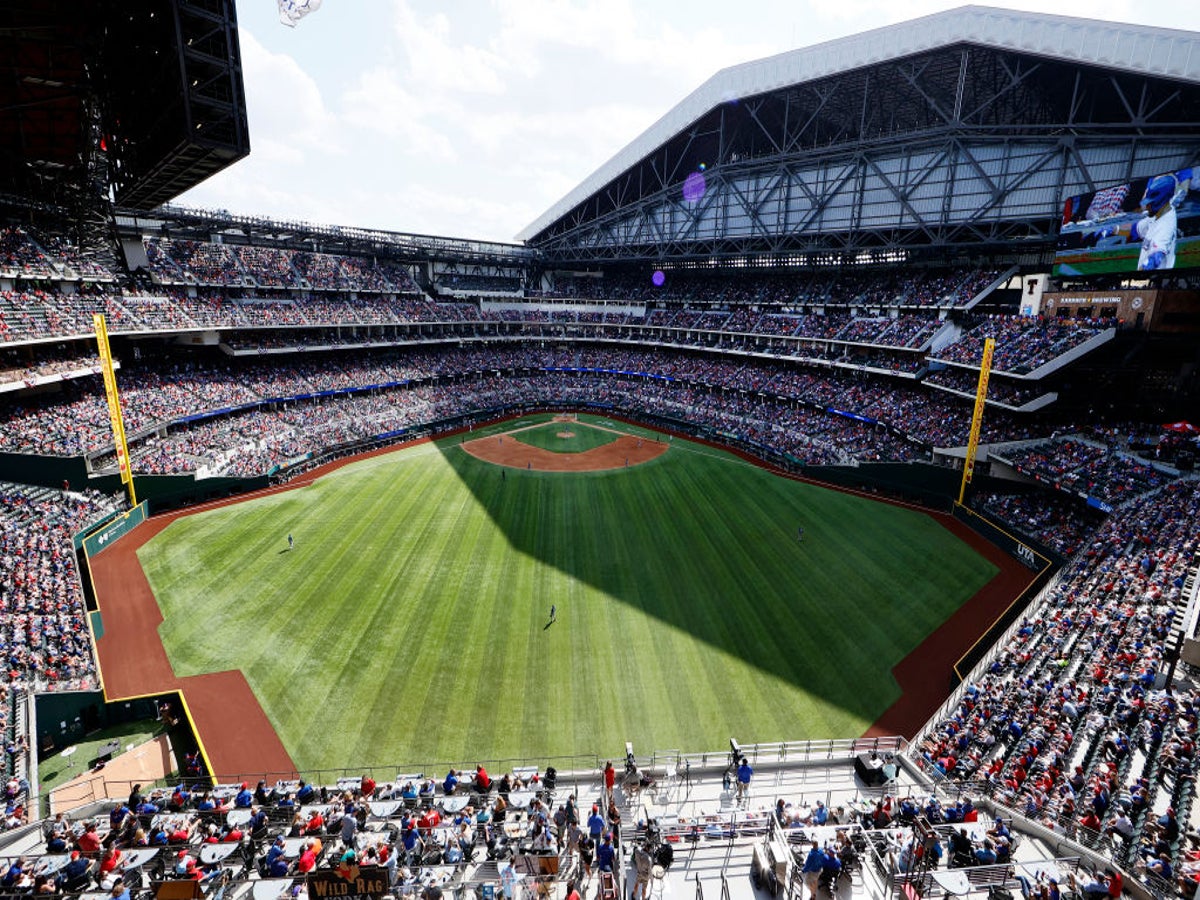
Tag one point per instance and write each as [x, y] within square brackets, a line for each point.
[114, 405]
[985, 369]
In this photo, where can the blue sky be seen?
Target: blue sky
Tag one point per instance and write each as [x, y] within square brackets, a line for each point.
[469, 118]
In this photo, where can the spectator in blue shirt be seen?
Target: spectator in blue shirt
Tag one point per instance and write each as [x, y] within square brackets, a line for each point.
[811, 870]
[820, 813]
[245, 797]
[276, 850]
[595, 824]
[605, 854]
[985, 855]
[744, 772]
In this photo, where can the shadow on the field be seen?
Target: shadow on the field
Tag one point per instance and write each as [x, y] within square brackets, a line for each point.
[730, 574]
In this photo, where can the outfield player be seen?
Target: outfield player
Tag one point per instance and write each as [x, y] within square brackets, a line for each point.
[291, 542]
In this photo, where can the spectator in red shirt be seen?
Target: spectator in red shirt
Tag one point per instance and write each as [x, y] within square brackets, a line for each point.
[315, 823]
[308, 859]
[89, 842]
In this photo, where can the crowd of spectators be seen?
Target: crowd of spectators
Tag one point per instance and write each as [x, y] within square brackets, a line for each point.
[1023, 343]
[23, 315]
[861, 289]
[76, 263]
[1068, 723]
[268, 266]
[475, 282]
[1085, 468]
[416, 833]
[184, 262]
[200, 262]
[44, 635]
[17, 367]
[1012, 393]
[1061, 523]
[21, 256]
[75, 420]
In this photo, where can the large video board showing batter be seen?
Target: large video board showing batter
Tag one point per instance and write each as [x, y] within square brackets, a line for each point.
[1147, 225]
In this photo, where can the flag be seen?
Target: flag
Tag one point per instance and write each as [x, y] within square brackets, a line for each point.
[1105, 203]
[292, 11]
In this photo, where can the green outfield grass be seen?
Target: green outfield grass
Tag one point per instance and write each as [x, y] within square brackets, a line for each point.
[583, 437]
[409, 624]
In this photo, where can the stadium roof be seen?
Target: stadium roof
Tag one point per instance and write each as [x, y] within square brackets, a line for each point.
[1164, 52]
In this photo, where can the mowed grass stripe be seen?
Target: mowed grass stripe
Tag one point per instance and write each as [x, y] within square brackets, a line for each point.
[408, 624]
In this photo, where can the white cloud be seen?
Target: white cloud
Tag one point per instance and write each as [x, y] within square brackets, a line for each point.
[439, 59]
[471, 118]
[283, 101]
[380, 103]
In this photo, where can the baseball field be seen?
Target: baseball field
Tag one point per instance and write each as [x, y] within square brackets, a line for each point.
[410, 622]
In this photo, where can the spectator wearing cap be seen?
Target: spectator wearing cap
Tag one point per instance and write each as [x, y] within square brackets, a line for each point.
[244, 798]
[179, 797]
[831, 866]
[276, 850]
[75, 870]
[606, 853]
[595, 824]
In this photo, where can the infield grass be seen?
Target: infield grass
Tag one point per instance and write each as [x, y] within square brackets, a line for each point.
[583, 437]
[410, 622]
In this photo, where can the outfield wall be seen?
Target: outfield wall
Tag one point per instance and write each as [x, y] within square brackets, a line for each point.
[1024, 552]
[917, 482]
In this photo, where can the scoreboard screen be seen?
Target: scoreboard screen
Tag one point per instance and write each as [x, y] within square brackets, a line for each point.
[1145, 225]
